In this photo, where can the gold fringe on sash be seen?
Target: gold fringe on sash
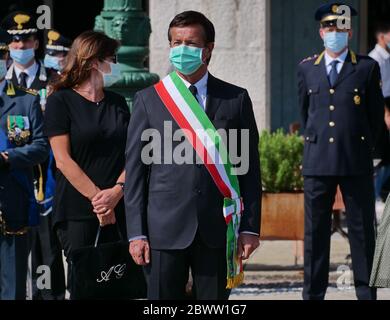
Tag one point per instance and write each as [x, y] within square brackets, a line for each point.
[236, 281]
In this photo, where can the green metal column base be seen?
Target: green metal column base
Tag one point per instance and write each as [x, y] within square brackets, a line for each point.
[125, 21]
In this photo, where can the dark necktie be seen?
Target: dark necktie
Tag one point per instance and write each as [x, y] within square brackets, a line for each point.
[333, 75]
[194, 91]
[23, 80]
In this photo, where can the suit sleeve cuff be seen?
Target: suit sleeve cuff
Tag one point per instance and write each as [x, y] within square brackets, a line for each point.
[138, 238]
[250, 233]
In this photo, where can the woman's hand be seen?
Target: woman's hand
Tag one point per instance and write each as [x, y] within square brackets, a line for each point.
[107, 218]
[107, 199]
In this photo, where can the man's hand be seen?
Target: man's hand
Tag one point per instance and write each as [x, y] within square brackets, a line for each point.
[140, 251]
[247, 244]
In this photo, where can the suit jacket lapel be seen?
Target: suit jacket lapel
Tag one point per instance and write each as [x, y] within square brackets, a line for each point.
[212, 102]
[348, 68]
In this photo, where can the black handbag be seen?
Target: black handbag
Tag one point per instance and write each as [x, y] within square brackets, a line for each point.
[105, 271]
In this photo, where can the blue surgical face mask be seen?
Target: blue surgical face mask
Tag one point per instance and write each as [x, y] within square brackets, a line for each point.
[113, 77]
[336, 41]
[3, 69]
[52, 62]
[22, 56]
[187, 60]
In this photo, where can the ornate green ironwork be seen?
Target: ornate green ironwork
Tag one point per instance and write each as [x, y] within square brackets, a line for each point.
[126, 21]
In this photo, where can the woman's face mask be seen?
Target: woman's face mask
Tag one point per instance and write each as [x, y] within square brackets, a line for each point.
[113, 76]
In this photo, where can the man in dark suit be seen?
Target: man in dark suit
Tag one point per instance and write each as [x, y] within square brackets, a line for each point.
[174, 211]
[342, 112]
[22, 145]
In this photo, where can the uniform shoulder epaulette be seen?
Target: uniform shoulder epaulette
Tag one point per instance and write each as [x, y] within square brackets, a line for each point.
[353, 57]
[309, 58]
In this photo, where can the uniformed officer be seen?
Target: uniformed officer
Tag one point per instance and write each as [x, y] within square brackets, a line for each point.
[57, 48]
[22, 145]
[29, 73]
[26, 71]
[342, 110]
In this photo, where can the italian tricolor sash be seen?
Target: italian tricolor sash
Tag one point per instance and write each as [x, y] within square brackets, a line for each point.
[209, 146]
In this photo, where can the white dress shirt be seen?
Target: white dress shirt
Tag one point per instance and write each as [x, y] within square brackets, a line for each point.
[382, 56]
[201, 86]
[340, 59]
[30, 71]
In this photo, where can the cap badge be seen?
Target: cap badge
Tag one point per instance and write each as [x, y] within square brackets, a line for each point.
[20, 19]
[53, 36]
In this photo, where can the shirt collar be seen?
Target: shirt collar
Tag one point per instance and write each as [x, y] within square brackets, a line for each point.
[31, 71]
[341, 58]
[201, 85]
[382, 52]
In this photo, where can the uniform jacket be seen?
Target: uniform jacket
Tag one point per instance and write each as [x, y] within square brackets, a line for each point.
[341, 123]
[13, 196]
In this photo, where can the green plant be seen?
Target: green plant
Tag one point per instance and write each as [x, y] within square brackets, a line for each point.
[281, 161]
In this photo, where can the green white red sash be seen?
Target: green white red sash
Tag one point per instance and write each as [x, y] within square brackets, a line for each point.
[209, 146]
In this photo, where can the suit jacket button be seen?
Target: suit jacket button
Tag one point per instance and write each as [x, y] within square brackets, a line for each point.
[363, 138]
[332, 108]
[331, 140]
[332, 124]
[332, 91]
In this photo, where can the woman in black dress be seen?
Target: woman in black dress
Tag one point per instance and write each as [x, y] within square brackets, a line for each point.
[86, 126]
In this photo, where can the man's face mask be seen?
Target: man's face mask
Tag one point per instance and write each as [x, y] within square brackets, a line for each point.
[336, 41]
[187, 60]
[22, 56]
[52, 62]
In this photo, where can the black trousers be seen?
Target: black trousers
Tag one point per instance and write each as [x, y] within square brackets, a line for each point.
[46, 250]
[359, 199]
[167, 274]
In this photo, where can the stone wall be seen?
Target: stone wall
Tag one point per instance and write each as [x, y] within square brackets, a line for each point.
[241, 53]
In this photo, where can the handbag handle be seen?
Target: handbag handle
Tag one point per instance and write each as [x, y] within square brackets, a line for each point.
[99, 231]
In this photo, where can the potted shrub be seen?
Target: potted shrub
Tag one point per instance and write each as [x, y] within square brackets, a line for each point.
[282, 200]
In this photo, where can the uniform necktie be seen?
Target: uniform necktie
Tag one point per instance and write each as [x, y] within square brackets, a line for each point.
[333, 75]
[194, 91]
[23, 80]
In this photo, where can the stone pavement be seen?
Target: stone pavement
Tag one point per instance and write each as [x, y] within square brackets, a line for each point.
[271, 274]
